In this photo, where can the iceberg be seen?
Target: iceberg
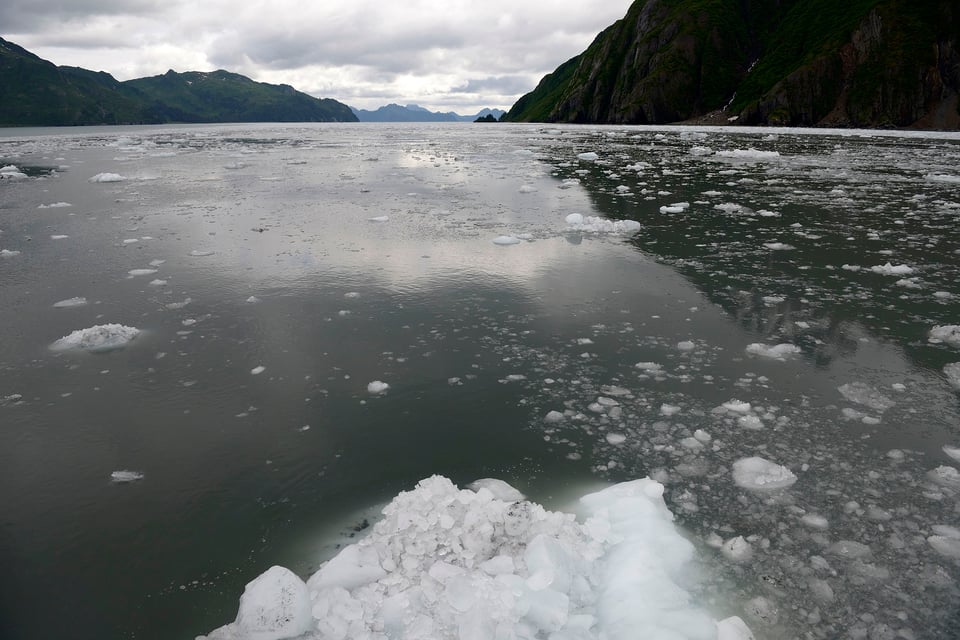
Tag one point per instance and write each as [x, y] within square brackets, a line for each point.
[99, 338]
[445, 563]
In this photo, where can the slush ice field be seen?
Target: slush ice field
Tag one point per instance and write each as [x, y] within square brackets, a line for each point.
[434, 381]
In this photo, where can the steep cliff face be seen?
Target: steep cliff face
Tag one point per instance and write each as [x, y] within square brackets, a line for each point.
[815, 62]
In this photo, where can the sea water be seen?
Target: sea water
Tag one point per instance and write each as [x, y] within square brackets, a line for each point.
[226, 348]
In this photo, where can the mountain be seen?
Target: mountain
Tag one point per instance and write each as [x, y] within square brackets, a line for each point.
[415, 113]
[36, 92]
[221, 96]
[868, 63]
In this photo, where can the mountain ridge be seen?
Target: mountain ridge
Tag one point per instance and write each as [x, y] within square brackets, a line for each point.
[874, 63]
[415, 113]
[35, 92]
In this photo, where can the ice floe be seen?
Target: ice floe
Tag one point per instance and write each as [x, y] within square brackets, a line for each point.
[55, 205]
[892, 270]
[70, 302]
[948, 334]
[761, 474]
[377, 387]
[108, 177]
[780, 351]
[952, 371]
[102, 337]
[505, 241]
[446, 563]
[865, 395]
[8, 253]
[126, 476]
[749, 154]
[12, 172]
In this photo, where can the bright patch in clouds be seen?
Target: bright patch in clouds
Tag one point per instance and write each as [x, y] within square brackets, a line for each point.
[445, 55]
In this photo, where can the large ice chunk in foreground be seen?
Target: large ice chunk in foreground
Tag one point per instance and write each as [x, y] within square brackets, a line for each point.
[597, 224]
[274, 606]
[949, 334]
[446, 563]
[102, 337]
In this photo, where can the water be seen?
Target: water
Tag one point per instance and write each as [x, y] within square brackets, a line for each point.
[338, 255]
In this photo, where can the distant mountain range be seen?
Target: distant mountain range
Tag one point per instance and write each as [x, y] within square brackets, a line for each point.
[415, 113]
[865, 63]
[36, 92]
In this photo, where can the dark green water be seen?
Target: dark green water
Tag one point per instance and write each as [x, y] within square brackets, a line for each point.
[477, 342]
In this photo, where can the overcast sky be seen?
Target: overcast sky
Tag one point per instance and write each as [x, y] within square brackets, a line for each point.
[447, 55]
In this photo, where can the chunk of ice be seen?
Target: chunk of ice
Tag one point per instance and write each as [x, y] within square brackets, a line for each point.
[864, 394]
[99, 338]
[949, 334]
[505, 241]
[952, 371]
[126, 476]
[761, 474]
[107, 177]
[70, 302]
[377, 387]
[500, 489]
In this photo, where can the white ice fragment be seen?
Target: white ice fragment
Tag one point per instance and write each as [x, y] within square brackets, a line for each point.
[750, 422]
[761, 474]
[952, 371]
[59, 236]
[780, 351]
[597, 224]
[252, 300]
[815, 521]
[949, 334]
[733, 628]
[258, 370]
[779, 246]
[953, 452]
[945, 476]
[8, 253]
[892, 270]
[141, 272]
[649, 367]
[849, 549]
[377, 387]
[863, 394]
[70, 302]
[274, 606]
[356, 565]
[12, 172]
[157, 282]
[553, 417]
[379, 219]
[107, 177]
[99, 338]
[945, 546]
[737, 550]
[55, 205]
[528, 188]
[749, 154]
[126, 476]
[501, 490]
[504, 241]
[616, 438]
[589, 156]
[686, 345]
[942, 177]
[737, 406]
[200, 253]
[669, 409]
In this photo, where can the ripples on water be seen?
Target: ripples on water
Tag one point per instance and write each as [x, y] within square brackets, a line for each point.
[328, 257]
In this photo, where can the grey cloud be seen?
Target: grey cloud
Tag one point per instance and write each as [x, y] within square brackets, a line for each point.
[500, 85]
[30, 17]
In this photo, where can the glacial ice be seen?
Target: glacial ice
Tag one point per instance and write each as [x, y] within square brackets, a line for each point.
[761, 474]
[749, 154]
[70, 302]
[377, 387]
[863, 394]
[446, 564]
[126, 476]
[8, 253]
[892, 270]
[948, 334]
[99, 338]
[504, 241]
[107, 177]
[952, 371]
[776, 352]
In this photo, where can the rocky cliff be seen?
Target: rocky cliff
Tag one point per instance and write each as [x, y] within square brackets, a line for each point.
[867, 63]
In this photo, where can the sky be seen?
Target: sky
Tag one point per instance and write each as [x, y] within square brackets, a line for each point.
[445, 55]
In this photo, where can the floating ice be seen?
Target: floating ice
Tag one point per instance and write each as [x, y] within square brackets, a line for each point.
[445, 563]
[676, 207]
[504, 241]
[596, 224]
[949, 334]
[589, 156]
[107, 177]
[8, 253]
[12, 172]
[258, 370]
[141, 272]
[126, 476]
[952, 371]
[553, 417]
[761, 474]
[748, 154]
[737, 550]
[379, 219]
[528, 188]
[377, 387]
[649, 367]
[55, 205]
[198, 253]
[953, 452]
[942, 177]
[102, 337]
[776, 352]
[892, 270]
[500, 489]
[59, 236]
[70, 302]
[864, 394]
[779, 246]
[686, 345]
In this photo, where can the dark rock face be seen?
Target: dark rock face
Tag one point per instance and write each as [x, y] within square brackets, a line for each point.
[866, 63]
